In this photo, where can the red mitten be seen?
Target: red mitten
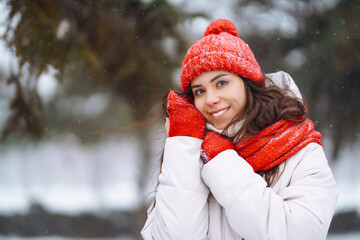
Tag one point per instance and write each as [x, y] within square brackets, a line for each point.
[185, 119]
[214, 144]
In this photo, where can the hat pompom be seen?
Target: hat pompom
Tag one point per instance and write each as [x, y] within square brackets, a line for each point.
[219, 26]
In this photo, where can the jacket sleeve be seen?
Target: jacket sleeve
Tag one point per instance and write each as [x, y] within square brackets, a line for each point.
[303, 209]
[181, 210]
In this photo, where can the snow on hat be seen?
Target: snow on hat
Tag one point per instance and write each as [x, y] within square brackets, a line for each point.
[220, 49]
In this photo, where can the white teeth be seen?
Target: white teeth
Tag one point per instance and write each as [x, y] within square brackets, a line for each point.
[219, 113]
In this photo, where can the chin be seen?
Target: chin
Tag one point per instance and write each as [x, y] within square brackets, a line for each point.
[220, 127]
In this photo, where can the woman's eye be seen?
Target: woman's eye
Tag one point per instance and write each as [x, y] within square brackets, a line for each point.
[198, 92]
[222, 83]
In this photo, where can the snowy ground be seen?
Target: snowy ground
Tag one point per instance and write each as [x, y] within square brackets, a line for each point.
[346, 236]
[347, 174]
[65, 176]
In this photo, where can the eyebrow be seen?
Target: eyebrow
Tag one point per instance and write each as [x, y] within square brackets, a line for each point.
[213, 79]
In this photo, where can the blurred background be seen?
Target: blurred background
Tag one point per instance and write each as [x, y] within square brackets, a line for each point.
[79, 77]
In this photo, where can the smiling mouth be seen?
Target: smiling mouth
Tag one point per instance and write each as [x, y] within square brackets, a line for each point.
[217, 114]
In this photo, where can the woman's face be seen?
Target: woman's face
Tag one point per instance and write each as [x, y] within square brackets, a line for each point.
[219, 96]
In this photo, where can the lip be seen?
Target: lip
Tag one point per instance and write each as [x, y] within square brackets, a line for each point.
[216, 117]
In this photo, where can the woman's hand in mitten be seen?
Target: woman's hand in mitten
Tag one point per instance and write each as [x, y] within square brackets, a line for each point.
[214, 144]
[185, 119]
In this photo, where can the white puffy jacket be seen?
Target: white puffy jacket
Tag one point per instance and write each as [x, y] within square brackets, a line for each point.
[225, 199]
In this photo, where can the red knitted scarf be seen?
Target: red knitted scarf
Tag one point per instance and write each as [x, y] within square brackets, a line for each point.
[277, 143]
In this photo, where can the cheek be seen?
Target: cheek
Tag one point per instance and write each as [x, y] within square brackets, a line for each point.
[199, 106]
[241, 102]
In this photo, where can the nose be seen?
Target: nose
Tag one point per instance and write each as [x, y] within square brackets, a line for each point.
[212, 98]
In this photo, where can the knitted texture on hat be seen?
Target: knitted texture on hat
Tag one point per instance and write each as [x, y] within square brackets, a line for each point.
[220, 49]
[276, 143]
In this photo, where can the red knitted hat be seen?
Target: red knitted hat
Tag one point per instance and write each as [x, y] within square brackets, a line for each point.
[220, 49]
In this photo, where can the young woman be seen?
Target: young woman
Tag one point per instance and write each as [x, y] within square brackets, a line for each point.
[241, 160]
